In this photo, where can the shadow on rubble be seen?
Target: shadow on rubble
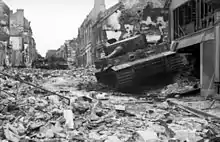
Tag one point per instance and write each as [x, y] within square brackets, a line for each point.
[93, 86]
[151, 83]
[174, 84]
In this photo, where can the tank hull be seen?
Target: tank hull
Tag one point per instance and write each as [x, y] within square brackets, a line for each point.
[148, 71]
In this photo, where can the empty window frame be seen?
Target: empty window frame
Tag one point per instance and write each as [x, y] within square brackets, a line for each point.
[192, 16]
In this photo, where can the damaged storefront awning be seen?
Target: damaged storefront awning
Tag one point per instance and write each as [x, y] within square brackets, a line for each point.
[193, 39]
[190, 41]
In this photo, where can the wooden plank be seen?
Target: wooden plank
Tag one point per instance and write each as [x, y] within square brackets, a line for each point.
[217, 56]
[196, 112]
[198, 14]
[175, 24]
[183, 12]
[201, 63]
[178, 32]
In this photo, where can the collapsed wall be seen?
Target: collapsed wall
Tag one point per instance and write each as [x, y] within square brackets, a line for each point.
[138, 16]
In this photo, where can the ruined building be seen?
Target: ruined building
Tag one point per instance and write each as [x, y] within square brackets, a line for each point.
[4, 32]
[194, 29]
[67, 52]
[50, 53]
[72, 46]
[100, 28]
[62, 52]
[85, 34]
[23, 46]
[125, 19]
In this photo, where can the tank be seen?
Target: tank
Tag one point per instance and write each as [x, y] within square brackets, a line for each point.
[144, 57]
[50, 63]
[39, 64]
[133, 61]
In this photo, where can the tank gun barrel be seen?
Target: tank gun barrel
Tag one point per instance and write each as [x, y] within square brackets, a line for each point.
[115, 30]
[126, 45]
[118, 50]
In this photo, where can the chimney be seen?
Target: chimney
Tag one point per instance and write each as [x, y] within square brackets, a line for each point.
[20, 10]
[20, 16]
[99, 6]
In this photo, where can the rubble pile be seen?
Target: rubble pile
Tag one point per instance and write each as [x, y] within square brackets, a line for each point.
[183, 83]
[30, 114]
[87, 79]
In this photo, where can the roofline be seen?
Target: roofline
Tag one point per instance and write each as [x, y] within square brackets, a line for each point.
[117, 5]
[7, 6]
[86, 18]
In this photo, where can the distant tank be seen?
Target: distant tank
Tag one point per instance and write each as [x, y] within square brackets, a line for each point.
[39, 64]
[132, 61]
[50, 63]
[57, 63]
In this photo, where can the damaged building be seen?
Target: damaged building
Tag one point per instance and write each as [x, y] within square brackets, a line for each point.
[62, 52]
[85, 34]
[125, 19]
[4, 32]
[194, 29]
[72, 51]
[23, 47]
[102, 30]
[65, 56]
[50, 53]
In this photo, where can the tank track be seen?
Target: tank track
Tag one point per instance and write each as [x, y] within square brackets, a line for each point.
[131, 76]
[174, 63]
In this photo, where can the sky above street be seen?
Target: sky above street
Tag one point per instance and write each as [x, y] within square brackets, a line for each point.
[54, 21]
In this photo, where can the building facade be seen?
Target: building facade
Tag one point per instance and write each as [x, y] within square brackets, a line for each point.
[62, 52]
[50, 53]
[31, 53]
[23, 51]
[4, 32]
[72, 46]
[30, 50]
[85, 34]
[194, 28]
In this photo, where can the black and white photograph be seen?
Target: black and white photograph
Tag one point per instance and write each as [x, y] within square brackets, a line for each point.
[110, 71]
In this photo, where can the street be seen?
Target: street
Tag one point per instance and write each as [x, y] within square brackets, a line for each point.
[95, 113]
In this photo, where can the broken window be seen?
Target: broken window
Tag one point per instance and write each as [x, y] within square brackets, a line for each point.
[191, 17]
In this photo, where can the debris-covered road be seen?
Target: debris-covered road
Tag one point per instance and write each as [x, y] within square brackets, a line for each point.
[94, 113]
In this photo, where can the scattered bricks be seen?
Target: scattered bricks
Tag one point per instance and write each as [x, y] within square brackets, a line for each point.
[91, 116]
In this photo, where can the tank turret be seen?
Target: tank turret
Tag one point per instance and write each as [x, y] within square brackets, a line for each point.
[126, 45]
[121, 48]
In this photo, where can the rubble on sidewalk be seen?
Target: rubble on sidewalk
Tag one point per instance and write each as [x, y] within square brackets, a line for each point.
[30, 114]
[183, 85]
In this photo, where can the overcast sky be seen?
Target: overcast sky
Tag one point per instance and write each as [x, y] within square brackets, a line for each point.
[54, 21]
